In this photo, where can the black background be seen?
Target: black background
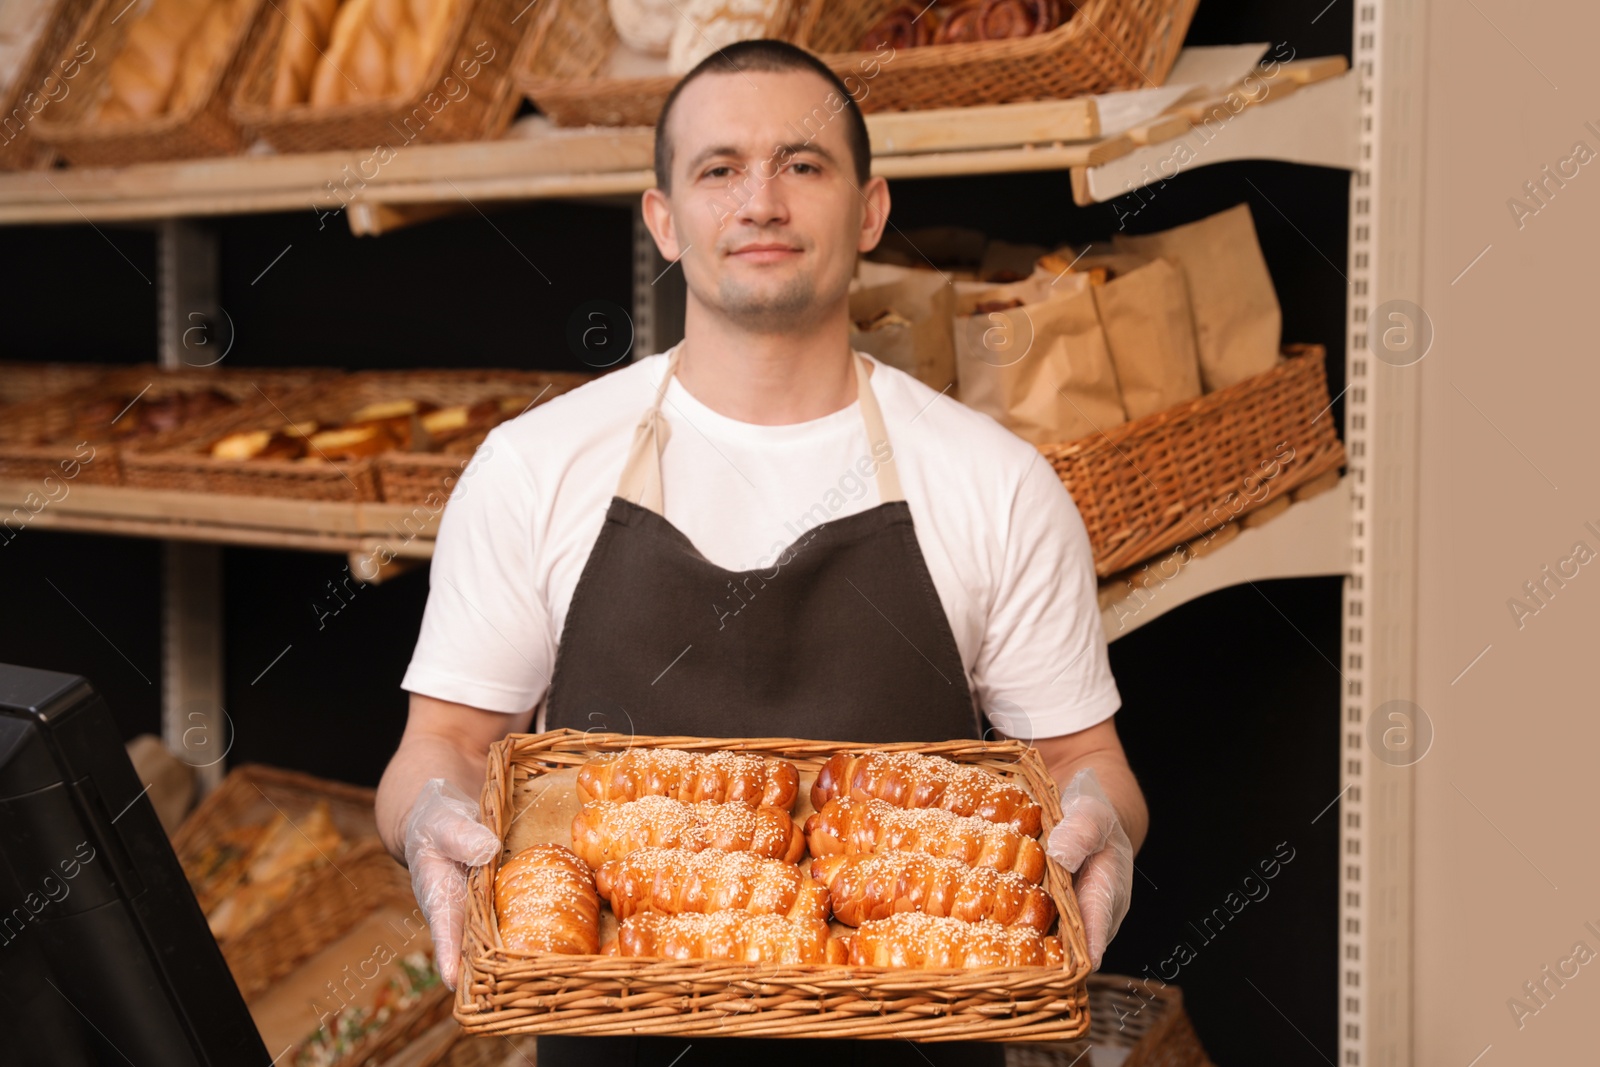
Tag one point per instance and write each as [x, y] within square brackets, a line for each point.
[1231, 703]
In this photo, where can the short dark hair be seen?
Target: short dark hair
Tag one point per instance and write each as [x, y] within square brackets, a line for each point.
[767, 55]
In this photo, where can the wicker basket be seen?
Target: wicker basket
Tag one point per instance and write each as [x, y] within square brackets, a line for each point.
[430, 477]
[37, 437]
[507, 992]
[483, 38]
[202, 128]
[36, 79]
[560, 71]
[331, 904]
[26, 382]
[1107, 45]
[185, 462]
[1143, 1021]
[1156, 482]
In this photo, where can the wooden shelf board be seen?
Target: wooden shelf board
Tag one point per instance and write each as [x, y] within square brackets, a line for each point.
[1310, 538]
[406, 530]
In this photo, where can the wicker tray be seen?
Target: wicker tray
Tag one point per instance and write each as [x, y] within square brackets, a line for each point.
[184, 461]
[560, 71]
[484, 36]
[37, 436]
[202, 128]
[1107, 45]
[1144, 1021]
[509, 992]
[1155, 482]
[364, 882]
[23, 382]
[18, 148]
[430, 477]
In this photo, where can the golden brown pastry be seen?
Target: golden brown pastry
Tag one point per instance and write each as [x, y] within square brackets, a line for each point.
[960, 22]
[857, 827]
[606, 830]
[545, 901]
[908, 25]
[348, 443]
[333, 82]
[300, 44]
[878, 886]
[205, 51]
[726, 935]
[1021, 18]
[431, 21]
[675, 881]
[913, 939]
[279, 858]
[913, 780]
[690, 777]
[143, 72]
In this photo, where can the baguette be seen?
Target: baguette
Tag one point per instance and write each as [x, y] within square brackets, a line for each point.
[691, 777]
[862, 888]
[676, 881]
[913, 780]
[851, 827]
[915, 940]
[332, 84]
[310, 26]
[606, 830]
[727, 935]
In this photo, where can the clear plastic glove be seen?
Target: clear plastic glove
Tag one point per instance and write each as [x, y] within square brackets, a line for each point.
[443, 838]
[1090, 842]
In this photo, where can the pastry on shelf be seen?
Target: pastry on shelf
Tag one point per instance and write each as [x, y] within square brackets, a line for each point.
[876, 886]
[676, 881]
[883, 320]
[606, 830]
[545, 901]
[856, 827]
[704, 26]
[914, 780]
[379, 49]
[726, 935]
[347, 443]
[279, 859]
[690, 777]
[933, 942]
[309, 25]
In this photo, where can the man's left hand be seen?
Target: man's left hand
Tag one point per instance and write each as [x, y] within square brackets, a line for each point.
[1090, 842]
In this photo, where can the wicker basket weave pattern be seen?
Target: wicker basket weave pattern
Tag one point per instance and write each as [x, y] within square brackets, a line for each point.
[511, 992]
[1156, 482]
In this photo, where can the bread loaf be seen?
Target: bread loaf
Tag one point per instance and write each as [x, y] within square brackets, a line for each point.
[912, 780]
[645, 25]
[676, 881]
[690, 777]
[727, 935]
[332, 83]
[916, 940]
[308, 29]
[140, 81]
[207, 51]
[878, 886]
[707, 25]
[545, 901]
[854, 827]
[605, 830]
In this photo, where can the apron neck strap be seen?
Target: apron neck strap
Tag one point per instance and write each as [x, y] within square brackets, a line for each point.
[641, 474]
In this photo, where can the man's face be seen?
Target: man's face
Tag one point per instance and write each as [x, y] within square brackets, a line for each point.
[764, 213]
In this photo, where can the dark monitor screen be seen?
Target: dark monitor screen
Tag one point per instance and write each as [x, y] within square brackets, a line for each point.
[105, 955]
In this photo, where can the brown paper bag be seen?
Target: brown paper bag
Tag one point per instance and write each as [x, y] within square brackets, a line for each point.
[1144, 310]
[1042, 369]
[1238, 324]
[916, 337]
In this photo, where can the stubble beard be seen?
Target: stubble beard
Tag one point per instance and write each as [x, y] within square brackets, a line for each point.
[785, 310]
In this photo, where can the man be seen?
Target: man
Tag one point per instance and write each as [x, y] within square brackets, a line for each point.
[760, 533]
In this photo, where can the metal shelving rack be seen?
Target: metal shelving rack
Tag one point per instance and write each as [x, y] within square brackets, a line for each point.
[1367, 120]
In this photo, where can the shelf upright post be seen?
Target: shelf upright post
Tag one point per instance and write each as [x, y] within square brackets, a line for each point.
[658, 294]
[193, 723]
[1383, 734]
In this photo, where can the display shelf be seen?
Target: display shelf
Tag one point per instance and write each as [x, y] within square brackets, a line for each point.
[406, 530]
[1309, 538]
[540, 161]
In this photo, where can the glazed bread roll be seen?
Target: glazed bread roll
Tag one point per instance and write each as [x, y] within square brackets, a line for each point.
[913, 939]
[853, 827]
[878, 886]
[913, 780]
[727, 935]
[690, 776]
[606, 830]
[676, 881]
[309, 29]
[545, 901]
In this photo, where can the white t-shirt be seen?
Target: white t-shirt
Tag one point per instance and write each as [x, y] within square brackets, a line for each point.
[1003, 541]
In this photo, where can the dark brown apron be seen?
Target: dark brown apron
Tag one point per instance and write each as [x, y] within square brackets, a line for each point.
[842, 638]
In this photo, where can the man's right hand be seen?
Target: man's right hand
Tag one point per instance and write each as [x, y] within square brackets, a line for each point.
[443, 838]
